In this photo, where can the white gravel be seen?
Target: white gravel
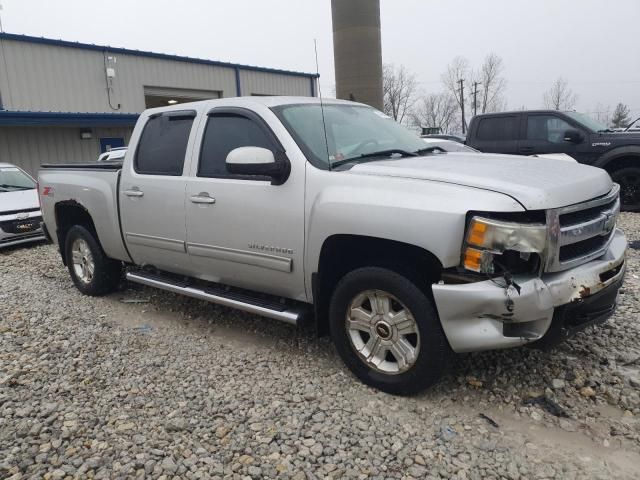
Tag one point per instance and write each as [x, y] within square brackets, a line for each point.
[164, 386]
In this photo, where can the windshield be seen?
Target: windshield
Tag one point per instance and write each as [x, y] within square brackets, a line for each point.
[588, 121]
[12, 179]
[352, 131]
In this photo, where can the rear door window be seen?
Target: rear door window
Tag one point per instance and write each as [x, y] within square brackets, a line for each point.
[498, 128]
[163, 144]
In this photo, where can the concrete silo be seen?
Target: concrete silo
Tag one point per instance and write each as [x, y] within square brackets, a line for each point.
[357, 50]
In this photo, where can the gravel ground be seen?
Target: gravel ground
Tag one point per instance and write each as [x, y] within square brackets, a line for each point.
[148, 384]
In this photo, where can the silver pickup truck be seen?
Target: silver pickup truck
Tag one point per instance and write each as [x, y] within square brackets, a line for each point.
[295, 210]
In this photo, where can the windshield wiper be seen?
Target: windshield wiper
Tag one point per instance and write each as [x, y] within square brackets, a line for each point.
[380, 153]
[429, 150]
[606, 130]
[631, 124]
[20, 187]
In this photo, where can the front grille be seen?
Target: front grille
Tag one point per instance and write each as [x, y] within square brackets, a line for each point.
[583, 248]
[581, 216]
[14, 212]
[18, 227]
[580, 233]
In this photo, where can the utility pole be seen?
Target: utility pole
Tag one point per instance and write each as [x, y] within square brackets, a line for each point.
[475, 98]
[464, 127]
[1, 29]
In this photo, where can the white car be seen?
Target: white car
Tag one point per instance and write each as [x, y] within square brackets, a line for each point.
[20, 216]
[114, 154]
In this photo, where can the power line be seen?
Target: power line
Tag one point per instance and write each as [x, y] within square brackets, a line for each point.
[549, 82]
[475, 98]
[610, 110]
[461, 81]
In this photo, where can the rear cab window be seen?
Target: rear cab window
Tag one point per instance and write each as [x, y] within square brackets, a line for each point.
[163, 143]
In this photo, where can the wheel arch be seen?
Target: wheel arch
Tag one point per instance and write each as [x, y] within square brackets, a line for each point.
[619, 158]
[342, 253]
[69, 213]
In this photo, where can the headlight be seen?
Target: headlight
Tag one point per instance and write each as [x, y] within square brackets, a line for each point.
[487, 238]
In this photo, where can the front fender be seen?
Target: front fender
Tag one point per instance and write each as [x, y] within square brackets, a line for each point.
[624, 151]
[429, 215]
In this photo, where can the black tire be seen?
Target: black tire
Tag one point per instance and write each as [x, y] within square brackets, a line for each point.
[433, 353]
[107, 272]
[629, 180]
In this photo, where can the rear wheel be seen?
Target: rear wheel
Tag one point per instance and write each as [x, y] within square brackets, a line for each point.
[629, 180]
[92, 272]
[387, 331]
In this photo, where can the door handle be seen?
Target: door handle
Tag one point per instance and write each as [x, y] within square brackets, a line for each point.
[202, 197]
[134, 192]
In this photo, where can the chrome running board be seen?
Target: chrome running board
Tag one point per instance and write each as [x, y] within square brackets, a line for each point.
[241, 301]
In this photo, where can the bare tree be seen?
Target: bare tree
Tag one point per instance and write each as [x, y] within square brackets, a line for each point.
[620, 116]
[491, 86]
[560, 96]
[602, 114]
[457, 70]
[399, 89]
[437, 110]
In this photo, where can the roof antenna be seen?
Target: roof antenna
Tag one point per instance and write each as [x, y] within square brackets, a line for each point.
[324, 125]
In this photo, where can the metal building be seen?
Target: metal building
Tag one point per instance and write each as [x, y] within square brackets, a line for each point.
[64, 101]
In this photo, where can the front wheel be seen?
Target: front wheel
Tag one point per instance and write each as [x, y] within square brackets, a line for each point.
[92, 272]
[387, 331]
[629, 180]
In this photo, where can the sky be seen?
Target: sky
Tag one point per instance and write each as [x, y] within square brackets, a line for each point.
[593, 44]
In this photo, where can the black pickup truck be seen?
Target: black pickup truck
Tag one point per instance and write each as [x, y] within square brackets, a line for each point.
[530, 132]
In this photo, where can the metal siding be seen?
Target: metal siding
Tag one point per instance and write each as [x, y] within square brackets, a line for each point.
[262, 83]
[51, 78]
[28, 147]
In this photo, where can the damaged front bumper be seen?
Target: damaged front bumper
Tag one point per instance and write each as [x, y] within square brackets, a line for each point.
[485, 315]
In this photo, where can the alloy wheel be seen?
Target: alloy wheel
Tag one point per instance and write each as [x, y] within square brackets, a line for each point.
[383, 332]
[82, 259]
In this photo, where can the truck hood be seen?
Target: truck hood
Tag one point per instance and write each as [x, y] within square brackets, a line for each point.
[537, 183]
[18, 200]
[617, 139]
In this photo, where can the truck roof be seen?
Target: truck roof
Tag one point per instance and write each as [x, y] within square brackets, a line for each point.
[268, 101]
[511, 112]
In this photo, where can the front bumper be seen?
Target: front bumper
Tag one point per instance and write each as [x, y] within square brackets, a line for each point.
[16, 231]
[485, 316]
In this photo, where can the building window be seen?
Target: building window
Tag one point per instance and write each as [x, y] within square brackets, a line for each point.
[163, 96]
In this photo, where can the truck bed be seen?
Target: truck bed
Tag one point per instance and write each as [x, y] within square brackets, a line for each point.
[89, 187]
